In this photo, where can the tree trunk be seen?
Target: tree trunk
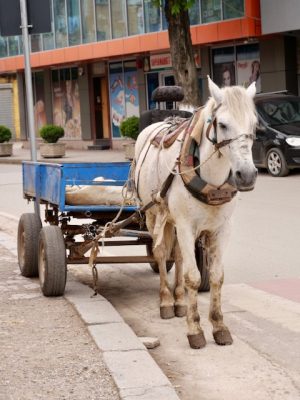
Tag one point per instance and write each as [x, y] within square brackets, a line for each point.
[182, 53]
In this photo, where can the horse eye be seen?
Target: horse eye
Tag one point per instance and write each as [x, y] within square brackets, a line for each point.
[222, 126]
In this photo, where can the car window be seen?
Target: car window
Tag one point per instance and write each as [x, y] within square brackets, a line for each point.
[279, 111]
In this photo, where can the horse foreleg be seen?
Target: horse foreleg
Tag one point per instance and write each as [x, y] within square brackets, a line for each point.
[221, 333]
[179, 291]
[192, 278]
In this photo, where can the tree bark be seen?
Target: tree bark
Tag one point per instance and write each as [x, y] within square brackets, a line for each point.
[182, 54]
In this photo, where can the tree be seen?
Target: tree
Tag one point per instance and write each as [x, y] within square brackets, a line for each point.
[182, 55]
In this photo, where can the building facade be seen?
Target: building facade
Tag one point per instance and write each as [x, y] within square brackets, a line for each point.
[104, 58]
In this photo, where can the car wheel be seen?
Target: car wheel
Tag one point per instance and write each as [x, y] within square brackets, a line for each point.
[276, 163]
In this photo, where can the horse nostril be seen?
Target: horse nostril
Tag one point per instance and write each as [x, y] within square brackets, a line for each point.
[238, 174]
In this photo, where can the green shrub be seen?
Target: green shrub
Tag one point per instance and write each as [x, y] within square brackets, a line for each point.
[5, 134]
[51, 133]
[130, 127]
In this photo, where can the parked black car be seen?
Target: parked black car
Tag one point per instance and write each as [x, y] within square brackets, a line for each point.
[277, 144]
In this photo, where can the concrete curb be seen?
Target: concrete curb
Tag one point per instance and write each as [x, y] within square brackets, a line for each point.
[134, 371]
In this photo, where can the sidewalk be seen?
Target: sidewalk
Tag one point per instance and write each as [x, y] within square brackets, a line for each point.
[73, 347]
[20, 154]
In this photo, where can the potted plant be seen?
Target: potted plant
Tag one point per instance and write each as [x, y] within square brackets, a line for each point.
[5, 136]
[129, 128]
[50, 134]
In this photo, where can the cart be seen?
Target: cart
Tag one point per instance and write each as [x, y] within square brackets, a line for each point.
[66, 238]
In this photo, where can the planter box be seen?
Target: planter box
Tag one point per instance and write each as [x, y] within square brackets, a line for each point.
[129, 150]
[52, 150]
[6, 149]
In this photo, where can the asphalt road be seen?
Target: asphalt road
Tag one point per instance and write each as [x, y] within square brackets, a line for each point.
[261, 300]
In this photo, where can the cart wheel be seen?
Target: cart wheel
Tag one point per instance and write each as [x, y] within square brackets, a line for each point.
[52, 261]
[201, 258]
[28, 234]
[154, 265]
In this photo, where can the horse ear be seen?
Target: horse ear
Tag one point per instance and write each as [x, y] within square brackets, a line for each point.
[215, 91]
[251, 90]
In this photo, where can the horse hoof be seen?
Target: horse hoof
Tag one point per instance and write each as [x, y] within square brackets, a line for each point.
[167, 312]
[180, 311]
[223, 337]
[197, 341]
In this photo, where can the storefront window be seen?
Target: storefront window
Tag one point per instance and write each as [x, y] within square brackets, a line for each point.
[117, 96]
[60, 23]
[210, 10]
[40, 117]
[152, 83]
[135, 17]
[3, 47]
[118, 18]
[124, 97]
[102, 20]
[87, 21]
[152, 16]
[224, 66]
[194, 13]
[73, 22]
[36, 43]
[66, 102]
[13, 45]
[233, 9]
[248, 65]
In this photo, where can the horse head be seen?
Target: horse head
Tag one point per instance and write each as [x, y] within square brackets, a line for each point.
[231, 130]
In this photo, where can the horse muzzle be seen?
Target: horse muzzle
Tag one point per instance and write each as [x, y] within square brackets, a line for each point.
[245, 178]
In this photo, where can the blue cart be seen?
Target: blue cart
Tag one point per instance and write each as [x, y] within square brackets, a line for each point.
[45, 251]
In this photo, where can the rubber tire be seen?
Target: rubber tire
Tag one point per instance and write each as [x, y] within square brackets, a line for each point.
[28, 234]
[52, 261]
[284, 171]
[201, 259]
[154, 265]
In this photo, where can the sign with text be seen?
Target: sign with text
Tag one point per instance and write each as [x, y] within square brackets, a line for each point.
[158, 61]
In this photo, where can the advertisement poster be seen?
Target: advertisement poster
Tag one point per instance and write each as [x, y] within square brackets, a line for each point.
[40, 118]
[131, 94]
[224, 74]
[66, 108]
[117, 98]
[248, 71]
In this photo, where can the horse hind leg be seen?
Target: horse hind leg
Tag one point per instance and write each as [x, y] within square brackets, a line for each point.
[179, 290]
[221, 333]
[163, 244]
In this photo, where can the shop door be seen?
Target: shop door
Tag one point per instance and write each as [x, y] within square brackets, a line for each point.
[167, 79]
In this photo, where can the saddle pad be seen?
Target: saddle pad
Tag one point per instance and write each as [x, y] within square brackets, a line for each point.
[167, 136]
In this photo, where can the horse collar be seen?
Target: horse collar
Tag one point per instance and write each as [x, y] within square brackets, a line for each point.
[197, 186]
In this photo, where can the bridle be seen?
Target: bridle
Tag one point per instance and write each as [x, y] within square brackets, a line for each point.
[214, 140]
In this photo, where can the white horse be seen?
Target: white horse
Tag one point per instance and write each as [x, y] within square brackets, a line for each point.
[211, 160]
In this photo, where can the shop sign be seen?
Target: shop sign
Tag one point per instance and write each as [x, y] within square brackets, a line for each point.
[158, 61]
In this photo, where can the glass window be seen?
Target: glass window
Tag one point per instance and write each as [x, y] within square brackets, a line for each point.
[13, 45]
[66, 102]
[3, 47]
[210, 10]
[60, 23]
[233, 9]
[135, 17]
[73, 22]
[152, 83]
[118, 18]
[40, 117]
[88, 21]
[48, 41]
[248, 65]
[36, 43]
[152, 16]
[194, 13]
[102, 20]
